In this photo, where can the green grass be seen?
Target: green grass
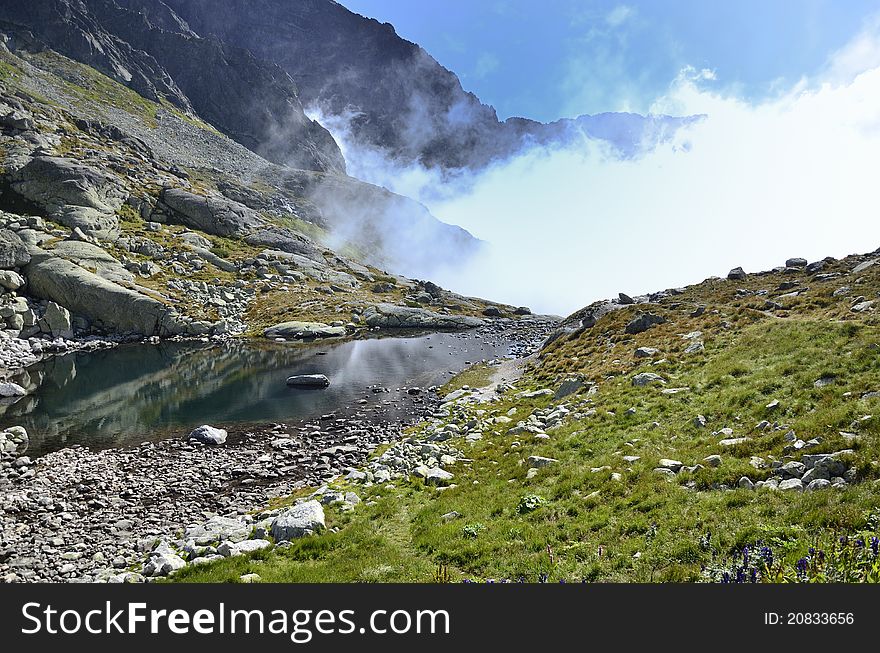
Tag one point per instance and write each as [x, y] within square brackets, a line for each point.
[642, 527]
[476, 376]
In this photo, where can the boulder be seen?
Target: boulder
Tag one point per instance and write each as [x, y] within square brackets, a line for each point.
[218, 529]
[213, 215]
[56, 321]
[227, 549]
[163, 560]
[390, 316]
[301, 520]
[10, 280]
[308, 381]
[93, 258]
[646, 352]
[73, 194]
[646, 378]
[208, 435]
[736, 274]
[297, 330]
[8, 389]
[13, 251]
[104, 303]
[644, 322]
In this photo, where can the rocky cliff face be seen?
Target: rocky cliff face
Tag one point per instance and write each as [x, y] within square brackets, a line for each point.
[146, 46]
[404, 101]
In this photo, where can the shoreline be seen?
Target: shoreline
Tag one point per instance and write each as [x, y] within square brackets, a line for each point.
[78, 515]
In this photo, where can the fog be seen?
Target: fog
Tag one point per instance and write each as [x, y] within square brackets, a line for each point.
[750, 185]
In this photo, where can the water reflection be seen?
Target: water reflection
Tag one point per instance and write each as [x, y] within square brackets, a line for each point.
[138, 392]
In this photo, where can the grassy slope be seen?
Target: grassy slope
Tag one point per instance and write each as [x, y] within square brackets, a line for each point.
[641, 527]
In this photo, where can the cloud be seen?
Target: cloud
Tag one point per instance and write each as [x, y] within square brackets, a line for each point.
[619, 15]
[753, 184]
[487, 63]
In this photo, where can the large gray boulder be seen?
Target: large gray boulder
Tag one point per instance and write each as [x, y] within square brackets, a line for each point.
[104, 303]
[73, 194]
[299, 521]
[299, 330]
[13, 252]
[285, 240]
[390, 316]
[95, 259]
[214, 215]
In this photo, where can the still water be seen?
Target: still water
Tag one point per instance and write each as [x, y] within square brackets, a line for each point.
[134, 393]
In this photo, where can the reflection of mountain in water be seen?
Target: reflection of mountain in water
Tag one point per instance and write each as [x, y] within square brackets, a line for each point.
[136, 392]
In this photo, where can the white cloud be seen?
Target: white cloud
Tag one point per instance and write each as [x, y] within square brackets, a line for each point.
[754, 184]
[487, 63]
[619, 15]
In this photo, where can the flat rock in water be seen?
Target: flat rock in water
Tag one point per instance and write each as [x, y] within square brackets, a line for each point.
[304, 330]
[308, 381]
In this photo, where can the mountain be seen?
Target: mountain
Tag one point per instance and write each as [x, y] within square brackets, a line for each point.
[146, 46]
[402, 100]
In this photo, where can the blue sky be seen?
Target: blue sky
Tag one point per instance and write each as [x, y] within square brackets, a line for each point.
[561, 58]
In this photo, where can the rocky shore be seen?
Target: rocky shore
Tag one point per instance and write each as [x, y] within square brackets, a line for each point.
[77, 515]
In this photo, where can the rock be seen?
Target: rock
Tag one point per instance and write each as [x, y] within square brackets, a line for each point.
[713, 461]
[818, 484]
[533, 394]
[623, 298]
[569, 387]
[208, 435]
[644, 322]
[214, 215]
[664, 471]
[297, 330]
[301, 520]
[773, 405]
[668, 463]
[732, 442]
[540, 461]
[308, 381]
[437, 476]
[792, 469]
[218, 529]
[646, 352]
[492, 311]
[73, 194]
[104, 303]
[10, 280]
[94, 259]
[8, 389]
[450, 516]
[646, 378]
[249, 578]
[389, 316]
[695, 347]
[699, 421]
[745, 483]
[57, 321]
[736, 274]
[791, 485]
[796, 263]
[13, 252]
[163, 560]
[227, 549]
